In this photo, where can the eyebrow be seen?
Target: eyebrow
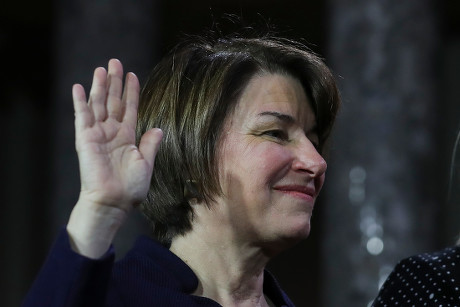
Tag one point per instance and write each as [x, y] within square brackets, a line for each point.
[288, 119]
[281, 116]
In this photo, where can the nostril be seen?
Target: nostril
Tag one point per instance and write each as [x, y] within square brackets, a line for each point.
[314, 166]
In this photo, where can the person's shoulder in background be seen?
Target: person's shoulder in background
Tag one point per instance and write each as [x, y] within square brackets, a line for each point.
[424, 280]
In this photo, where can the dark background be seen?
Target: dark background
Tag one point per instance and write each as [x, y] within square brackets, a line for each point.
[46, 46]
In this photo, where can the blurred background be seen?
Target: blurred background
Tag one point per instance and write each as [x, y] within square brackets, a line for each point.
[386, 196]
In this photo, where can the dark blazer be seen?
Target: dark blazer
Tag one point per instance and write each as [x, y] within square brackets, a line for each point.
[149, 275]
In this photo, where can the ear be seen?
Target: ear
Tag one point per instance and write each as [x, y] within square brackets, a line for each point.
[190, 190]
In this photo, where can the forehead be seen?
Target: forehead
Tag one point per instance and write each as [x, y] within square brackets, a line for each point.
[274, 93]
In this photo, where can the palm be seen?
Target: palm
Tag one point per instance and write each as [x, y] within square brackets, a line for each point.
[114, 172]
[110, 164]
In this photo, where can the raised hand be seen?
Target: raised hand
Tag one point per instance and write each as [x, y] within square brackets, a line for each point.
[115, 174]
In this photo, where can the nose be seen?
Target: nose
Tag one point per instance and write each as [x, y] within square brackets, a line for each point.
[307, 159]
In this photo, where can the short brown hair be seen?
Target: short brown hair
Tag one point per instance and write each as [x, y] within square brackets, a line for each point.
[189, 95]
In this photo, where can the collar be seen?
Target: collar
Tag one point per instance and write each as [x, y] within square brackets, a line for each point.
[163, 265]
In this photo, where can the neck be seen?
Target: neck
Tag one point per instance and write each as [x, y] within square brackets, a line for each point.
[229, 271]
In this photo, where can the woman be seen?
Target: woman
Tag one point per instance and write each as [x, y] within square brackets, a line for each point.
[243, 125]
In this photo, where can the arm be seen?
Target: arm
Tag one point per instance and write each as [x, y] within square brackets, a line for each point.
[115, 174]
[70, 279]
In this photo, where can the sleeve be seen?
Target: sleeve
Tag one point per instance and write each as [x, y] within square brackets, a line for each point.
[68, 279]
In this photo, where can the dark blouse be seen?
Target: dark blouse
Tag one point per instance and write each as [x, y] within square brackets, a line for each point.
[430, 279]
[149, 275]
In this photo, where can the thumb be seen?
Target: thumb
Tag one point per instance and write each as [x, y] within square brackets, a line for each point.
[150, 143]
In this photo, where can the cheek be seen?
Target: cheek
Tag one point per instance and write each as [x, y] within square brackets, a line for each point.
[253, 163]
[269, 161]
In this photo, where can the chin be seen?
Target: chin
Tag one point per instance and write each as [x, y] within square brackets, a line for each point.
[290, 237]
[300, 233]
[298, 227]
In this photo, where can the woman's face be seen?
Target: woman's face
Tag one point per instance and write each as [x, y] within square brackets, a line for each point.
[270, 170]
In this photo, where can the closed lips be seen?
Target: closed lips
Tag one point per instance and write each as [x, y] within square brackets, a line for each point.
[297, 190]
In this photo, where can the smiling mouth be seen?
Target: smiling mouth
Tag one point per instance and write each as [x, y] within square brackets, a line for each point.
[297, 191]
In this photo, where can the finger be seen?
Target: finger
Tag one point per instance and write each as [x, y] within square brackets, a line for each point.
[98, 94]
[83, 115]
[115, 89]
[131, 99]
[149, 144]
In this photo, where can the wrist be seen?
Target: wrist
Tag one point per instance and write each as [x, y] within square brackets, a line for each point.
[92, 227]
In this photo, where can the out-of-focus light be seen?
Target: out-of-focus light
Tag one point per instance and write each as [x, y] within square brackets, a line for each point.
[374, 246]
[357, 174]
[356, 194]
[373, 229]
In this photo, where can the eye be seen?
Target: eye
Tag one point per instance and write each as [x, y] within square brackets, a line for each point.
[277, 134]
